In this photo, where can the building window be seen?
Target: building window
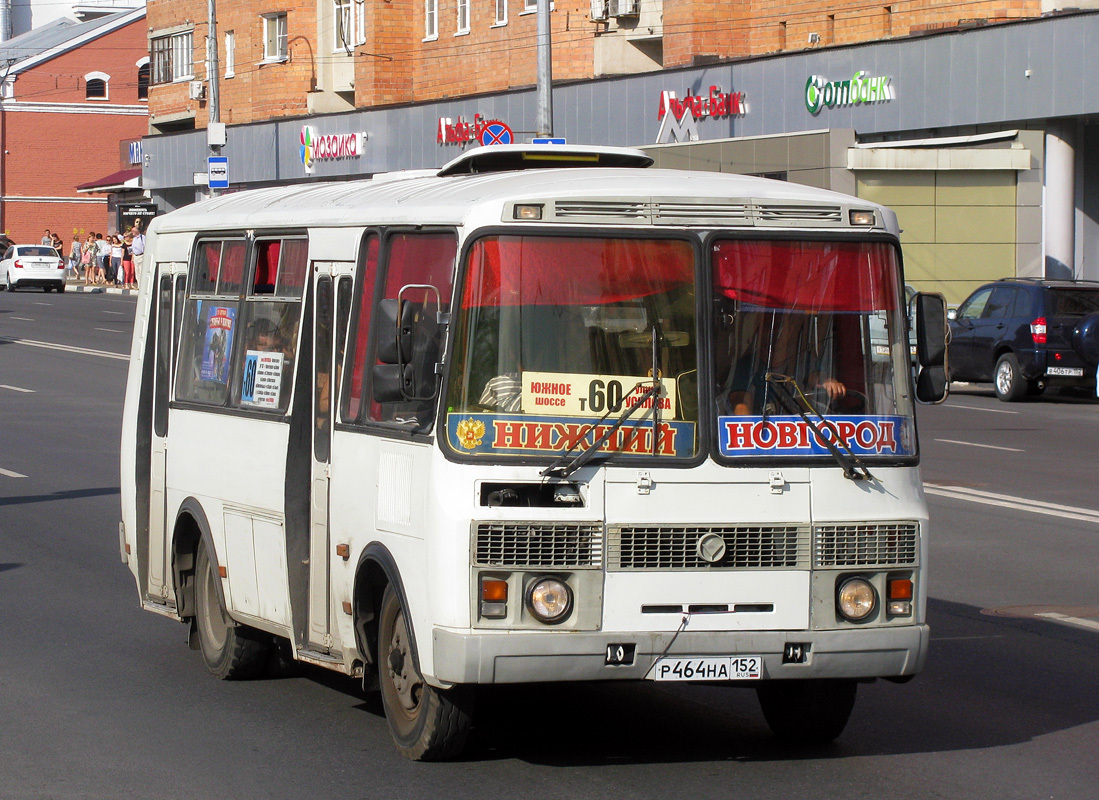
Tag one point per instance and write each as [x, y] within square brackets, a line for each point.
[431, 19]
[95, 85]
[230, 54]
[274, 37]
[501, 12]
[143, 74]
[463, 16]
[173, 57]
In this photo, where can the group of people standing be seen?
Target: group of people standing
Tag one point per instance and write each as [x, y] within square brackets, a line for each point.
[114, 260]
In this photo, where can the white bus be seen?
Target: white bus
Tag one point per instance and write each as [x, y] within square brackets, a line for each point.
[545, 414]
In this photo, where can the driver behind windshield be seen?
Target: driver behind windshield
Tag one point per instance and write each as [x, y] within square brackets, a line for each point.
[785, 345]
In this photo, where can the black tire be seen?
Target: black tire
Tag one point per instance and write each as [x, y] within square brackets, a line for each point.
[807, 711]
[1008, 380]
[60, 287]
[427, 724]
[231, 651]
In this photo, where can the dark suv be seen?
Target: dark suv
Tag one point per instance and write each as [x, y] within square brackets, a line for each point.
[1025, 334]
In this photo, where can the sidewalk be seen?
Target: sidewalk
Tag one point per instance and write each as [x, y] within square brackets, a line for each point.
[77, 285]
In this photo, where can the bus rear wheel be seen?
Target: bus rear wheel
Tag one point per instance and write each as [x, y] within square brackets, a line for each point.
[807, 711]
[231, 651]
[427, 724]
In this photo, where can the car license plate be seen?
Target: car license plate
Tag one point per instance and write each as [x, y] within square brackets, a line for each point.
[708, 668]
[1072, 372]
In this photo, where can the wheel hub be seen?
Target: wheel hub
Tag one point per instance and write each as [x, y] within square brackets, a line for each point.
[406, 682]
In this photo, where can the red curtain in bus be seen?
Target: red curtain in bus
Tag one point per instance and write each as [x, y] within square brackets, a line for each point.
[807, 276]
[542, 271]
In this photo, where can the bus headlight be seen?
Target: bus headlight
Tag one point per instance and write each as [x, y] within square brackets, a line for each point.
[856, 599]
[549, 600]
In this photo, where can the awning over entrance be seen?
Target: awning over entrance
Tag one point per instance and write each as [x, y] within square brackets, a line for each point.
[115, 182]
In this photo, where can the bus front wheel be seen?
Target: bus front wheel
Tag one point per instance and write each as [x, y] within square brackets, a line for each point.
[427, 724]
[807, 711]
[231, 651]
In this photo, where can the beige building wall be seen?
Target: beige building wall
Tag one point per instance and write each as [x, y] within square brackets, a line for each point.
[958, 227]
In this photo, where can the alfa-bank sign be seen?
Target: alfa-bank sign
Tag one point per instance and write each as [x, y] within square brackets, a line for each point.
[679, 118]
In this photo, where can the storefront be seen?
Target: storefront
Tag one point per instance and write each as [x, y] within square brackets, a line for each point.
[979, 139]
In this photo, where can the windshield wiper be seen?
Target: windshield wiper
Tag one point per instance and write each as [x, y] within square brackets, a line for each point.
[852, 466]
[559, 470]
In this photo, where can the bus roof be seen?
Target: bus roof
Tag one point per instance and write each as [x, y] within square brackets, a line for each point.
[574, 194]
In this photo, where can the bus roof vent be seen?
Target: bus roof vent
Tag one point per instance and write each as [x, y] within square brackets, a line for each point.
[671, 213]
[800, 213]
[510, 157]
[601, 210]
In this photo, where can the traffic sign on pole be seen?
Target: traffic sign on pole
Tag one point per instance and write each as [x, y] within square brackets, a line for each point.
[218, 169]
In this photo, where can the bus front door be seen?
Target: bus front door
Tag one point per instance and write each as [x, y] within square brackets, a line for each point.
[330, 305]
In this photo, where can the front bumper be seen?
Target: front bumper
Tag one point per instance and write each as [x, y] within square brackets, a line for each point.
[521, 657]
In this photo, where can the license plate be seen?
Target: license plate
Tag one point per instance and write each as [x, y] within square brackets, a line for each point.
[708, 668]
[1072, 372]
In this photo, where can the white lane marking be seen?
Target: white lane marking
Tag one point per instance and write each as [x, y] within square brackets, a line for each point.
[22, 319]
[988, 446]
[43, 304]
[123, 313]
[65, 348]
[108, 330]
[11, 474]
[16, 388]
[1077, 621]
[989, 410]
[1017, 503]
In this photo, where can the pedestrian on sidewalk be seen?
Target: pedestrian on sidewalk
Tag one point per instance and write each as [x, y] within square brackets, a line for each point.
[116, 260]
[47, 238]
[88, 253]
[74, 257]
[102, 258]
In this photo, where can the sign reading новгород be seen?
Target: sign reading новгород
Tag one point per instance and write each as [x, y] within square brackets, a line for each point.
[860, 88]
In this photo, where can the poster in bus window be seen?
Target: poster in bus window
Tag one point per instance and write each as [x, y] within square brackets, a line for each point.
[217, 344]
[261, 383]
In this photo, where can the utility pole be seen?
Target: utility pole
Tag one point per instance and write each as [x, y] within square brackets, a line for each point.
[215, 131]
[545, 71]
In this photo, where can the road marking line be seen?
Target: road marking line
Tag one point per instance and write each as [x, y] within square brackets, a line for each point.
[1077, 621]
[989, 410]
[108, 330]
[65, 348]
[16, 388]
[123, 313]
[22, 319]
[1018, 503]
[988, 446]
[43, 304]
[11, 474]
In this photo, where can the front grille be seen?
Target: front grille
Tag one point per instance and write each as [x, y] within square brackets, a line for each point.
[537, 544]
[879, 544]
[640, 547]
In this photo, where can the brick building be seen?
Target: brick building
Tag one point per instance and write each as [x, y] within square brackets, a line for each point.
[302, 57]
[71, 92]
[974, 120]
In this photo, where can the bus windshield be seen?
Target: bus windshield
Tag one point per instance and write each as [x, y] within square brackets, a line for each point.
[808, 331]
[559, 336]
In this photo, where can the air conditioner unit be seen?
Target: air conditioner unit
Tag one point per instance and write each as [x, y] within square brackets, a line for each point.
[624, 8]
[196, 90]
[598, 10]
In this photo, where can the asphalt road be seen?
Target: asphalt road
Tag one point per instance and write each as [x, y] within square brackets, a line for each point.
[99, 699]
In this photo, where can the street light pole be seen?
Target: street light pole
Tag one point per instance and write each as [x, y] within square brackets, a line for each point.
[545, 71]
[215, 133]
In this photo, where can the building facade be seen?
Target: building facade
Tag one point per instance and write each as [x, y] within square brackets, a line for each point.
[63, 111]
[978, 134]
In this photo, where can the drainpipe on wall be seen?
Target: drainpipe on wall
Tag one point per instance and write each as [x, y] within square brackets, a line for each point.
[5, 20]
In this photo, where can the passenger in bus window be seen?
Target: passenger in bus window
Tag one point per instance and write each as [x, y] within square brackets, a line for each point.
[785, 345]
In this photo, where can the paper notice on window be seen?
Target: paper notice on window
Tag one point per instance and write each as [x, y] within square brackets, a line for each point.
[262, 381]
[579, 395]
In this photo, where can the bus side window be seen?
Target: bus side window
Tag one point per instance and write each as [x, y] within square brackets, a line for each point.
[351, 404]
[270, 319]
[415, 259]
[210, 321]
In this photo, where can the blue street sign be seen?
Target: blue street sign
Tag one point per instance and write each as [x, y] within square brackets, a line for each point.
[217, 168]
[548, 140]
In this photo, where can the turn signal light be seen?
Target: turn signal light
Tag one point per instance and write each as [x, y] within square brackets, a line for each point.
[528, 212]
[862, 217]
[494, 598]
[900, 589]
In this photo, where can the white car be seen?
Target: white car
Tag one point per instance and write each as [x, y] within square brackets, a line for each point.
[32, 265]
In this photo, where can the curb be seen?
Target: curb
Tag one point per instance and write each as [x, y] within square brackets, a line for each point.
[73, 287]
